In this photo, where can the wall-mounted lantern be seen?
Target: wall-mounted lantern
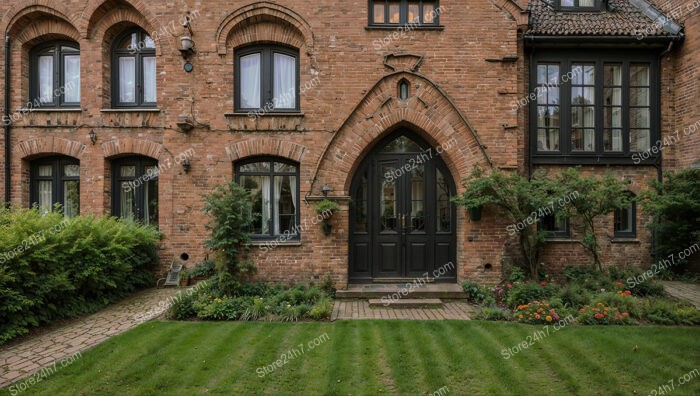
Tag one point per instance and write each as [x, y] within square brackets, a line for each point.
[92, 136]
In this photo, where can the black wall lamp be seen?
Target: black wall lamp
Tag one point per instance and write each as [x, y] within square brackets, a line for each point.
[325, 190]
[92, 136]
[186, 165]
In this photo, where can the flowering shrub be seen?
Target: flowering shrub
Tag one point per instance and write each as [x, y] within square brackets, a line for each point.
[601, 314]
[523, 293]
[536, 312]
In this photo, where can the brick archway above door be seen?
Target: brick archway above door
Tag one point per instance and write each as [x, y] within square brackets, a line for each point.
[427, 111]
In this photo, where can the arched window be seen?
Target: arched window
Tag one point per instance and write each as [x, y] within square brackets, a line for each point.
[626, 220]
[404, 90]
[135, 189]
[54, 75]
[266, 79]
[274, 185]
[55, 180]
[134, 70]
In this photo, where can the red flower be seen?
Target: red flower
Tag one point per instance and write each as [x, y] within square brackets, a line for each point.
[509, 285]
[628, 293]
[619, 283]
[598, 316]
[543, 283]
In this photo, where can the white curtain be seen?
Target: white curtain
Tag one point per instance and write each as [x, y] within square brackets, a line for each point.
[293, 189]
[266, 205]
[45, 196]
[46, 79]
[127, 79]
[250, 82]
[71, 78]
[149, 79]
[127, 201]
[285, 82]
[278, 193]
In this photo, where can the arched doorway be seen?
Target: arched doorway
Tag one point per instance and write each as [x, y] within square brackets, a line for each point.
[402, 222]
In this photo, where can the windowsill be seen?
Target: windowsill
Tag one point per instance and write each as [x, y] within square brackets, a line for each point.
[132, 110]
[52, 110]
[275, 243]
[625, 240]
[406, 26]
[560, 240]
[252, 114]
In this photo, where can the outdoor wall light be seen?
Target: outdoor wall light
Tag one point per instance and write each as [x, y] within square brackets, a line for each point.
[92, 136]
[186, 165]
[325, 190]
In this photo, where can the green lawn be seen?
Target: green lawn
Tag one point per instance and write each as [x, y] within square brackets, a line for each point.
[381, 357]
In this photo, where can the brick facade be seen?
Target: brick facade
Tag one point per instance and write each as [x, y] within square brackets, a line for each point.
[458, 92]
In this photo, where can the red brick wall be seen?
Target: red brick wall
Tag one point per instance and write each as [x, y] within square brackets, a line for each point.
[352, 106]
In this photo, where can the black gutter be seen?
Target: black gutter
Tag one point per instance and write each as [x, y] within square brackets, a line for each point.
[532, 39]
[7, 121]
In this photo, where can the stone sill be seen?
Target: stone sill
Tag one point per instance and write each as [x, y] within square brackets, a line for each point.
[131, 110]
[51, 110]
[275, 243]
[405, 26]
[625, 240]
[561, 240]
[276, 114]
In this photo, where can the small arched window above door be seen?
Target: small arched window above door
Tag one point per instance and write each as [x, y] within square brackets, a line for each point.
[404, 90]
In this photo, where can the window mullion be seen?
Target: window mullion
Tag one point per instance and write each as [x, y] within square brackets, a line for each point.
[599, 97]
[626, 107]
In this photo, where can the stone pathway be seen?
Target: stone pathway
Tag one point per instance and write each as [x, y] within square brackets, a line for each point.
[21, 359]
[684, 291]
[360, 309]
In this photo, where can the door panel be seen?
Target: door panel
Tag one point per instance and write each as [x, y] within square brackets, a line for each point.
[402, 220]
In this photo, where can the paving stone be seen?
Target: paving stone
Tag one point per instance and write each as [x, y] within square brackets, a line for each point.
[30, 355]
[685, 291]
[360, 309]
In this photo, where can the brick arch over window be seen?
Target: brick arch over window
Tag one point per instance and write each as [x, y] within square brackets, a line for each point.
[48, 30]
[262, 147]
[96, 11]
[50, 146]
[24, 13]
[115, 21]
[128, 146]
[263, 21]
[428, 112]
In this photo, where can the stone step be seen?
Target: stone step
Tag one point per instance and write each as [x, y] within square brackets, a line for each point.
[406, 303]
[401, 291]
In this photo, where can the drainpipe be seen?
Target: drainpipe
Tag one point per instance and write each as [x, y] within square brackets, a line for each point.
[6, 120]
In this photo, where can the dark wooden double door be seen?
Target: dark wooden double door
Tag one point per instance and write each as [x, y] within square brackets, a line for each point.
[402, 223]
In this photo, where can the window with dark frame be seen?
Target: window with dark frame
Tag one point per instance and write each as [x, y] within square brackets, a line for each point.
[554, 226]
[55, 180]
[135, 189]
[266, 79]
[599, 110]
[625, 220]
[579, 5]
[273, 184]
[54, 77]
[403, 12]
[134, 70]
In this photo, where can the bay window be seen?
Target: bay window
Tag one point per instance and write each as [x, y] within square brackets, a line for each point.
[593, 107]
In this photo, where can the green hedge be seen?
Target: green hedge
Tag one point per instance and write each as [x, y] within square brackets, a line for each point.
[54, 268]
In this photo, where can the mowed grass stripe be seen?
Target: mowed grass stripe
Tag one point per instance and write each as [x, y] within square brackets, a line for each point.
[289, 376]
[461, 334]
[383, 375]
[343, 362]
[435, 372]
[530, 360]
[401, 354]
[259, 352]
[510, 378]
